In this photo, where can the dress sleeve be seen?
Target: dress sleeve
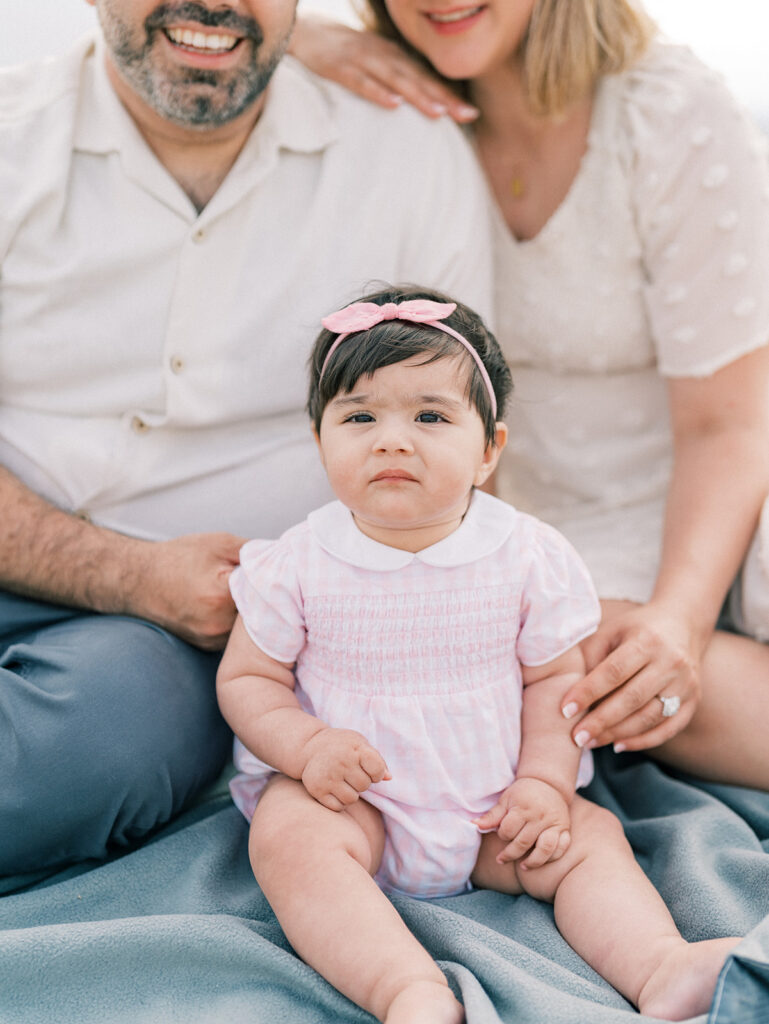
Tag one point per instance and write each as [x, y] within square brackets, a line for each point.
[699, 178]
[266, 592]
[559, 605]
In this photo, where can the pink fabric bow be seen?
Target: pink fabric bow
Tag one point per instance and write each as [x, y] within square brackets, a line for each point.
[362, 316]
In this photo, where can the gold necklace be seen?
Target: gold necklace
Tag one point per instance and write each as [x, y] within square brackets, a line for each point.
[517, 185]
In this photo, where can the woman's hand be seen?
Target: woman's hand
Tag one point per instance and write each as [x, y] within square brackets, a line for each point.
[375, 68]
[638, 654]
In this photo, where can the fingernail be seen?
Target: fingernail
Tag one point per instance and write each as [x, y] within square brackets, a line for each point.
[569, 710]
[468, 112]
[438, 108]
[581, 738]
[396, 99]
[619, 748]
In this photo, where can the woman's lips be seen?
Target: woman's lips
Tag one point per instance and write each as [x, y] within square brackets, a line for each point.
[454, 19]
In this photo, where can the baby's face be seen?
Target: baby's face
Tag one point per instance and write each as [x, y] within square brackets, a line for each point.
[404, 449]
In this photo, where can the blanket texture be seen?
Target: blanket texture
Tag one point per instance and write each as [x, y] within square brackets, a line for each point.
[178, 931]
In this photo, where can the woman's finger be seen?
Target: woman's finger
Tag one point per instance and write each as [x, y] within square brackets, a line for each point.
[646, 719]
[600, 724]
[664, 729]
[597, 647]
[374, 68]
[616, 669]
[426, 93]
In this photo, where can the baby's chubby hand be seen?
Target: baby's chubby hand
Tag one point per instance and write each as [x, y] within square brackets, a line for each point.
[340, 765]
[532, 817]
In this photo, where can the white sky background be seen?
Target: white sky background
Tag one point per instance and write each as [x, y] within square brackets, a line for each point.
[733, 36]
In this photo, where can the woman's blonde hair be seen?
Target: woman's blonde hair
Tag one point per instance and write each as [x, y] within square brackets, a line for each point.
[569, 44]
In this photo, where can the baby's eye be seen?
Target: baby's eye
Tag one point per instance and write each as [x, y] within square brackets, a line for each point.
[360, 417]
[430, 417]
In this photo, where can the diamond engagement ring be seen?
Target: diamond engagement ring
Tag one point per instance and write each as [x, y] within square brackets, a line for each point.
[669, 705]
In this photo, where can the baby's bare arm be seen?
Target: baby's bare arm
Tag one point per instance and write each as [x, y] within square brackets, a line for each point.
[532, 815]
[257, 699]
[547, 749]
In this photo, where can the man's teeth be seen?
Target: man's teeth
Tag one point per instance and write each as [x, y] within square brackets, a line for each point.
[446, 19]
[211, 43]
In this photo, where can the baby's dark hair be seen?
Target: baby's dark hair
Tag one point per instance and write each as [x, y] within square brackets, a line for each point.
[392, 341]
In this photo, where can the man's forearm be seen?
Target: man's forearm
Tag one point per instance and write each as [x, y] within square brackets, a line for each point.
[52, 555]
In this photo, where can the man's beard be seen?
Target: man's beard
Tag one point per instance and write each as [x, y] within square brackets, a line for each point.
[192, 97]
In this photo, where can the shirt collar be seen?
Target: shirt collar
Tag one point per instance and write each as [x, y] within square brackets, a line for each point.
[298, 115]
[486, 526]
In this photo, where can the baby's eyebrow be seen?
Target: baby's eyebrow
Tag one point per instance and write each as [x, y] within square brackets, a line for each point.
[427, 399]
[351, 400]
[450, 403]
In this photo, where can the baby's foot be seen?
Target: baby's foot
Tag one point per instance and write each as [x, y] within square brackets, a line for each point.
[683, 984]
[425, 1002]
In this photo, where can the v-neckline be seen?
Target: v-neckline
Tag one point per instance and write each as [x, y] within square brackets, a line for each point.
[550, 226]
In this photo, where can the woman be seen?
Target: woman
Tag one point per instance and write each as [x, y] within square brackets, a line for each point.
[632, 255]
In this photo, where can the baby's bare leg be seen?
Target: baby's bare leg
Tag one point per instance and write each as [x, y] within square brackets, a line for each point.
[609, 912]
[315, 867]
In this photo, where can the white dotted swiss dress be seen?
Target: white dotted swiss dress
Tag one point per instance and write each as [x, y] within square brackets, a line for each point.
[655, 265]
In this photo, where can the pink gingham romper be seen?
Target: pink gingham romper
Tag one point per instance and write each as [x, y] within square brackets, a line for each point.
[420, 653]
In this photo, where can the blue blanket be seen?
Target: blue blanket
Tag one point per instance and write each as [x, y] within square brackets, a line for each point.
[177, 930]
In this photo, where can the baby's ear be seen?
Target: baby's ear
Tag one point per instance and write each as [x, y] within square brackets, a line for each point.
[491, 455]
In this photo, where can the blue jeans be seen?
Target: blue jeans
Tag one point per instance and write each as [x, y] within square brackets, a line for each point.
[108, 728]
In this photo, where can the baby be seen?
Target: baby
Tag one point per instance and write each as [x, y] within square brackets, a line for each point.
[395, 676]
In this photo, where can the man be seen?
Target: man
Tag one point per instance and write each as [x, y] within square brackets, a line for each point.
[180, 207]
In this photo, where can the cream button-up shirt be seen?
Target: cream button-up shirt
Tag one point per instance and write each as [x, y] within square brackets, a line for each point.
[153, 359]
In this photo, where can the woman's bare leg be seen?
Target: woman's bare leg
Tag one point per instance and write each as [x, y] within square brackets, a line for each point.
[315, 867]
[726, 739]
[609, 912]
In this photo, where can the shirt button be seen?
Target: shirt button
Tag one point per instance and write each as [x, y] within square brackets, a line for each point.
[199, 235]
[176, 363]
[139, 426]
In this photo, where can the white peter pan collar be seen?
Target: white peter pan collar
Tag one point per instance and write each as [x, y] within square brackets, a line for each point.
[486, 526]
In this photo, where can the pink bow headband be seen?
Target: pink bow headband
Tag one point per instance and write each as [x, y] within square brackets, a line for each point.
[362, 316]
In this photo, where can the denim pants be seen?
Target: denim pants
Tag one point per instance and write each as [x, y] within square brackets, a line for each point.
[108, 728]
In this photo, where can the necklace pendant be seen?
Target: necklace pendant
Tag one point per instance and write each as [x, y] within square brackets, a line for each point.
[517, 186]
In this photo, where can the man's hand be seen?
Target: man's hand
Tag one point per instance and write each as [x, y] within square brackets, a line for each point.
[532, 817]
[183, 586]
[341, 765]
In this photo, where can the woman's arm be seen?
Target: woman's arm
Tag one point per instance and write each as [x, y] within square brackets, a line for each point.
[377, 69]
[256, 697]
[720, 479]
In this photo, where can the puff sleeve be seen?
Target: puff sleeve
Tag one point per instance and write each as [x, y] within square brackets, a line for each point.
[266, 591]
[699, 180]
[559, 605]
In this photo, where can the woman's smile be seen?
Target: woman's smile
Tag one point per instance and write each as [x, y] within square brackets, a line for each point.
[456, 19]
